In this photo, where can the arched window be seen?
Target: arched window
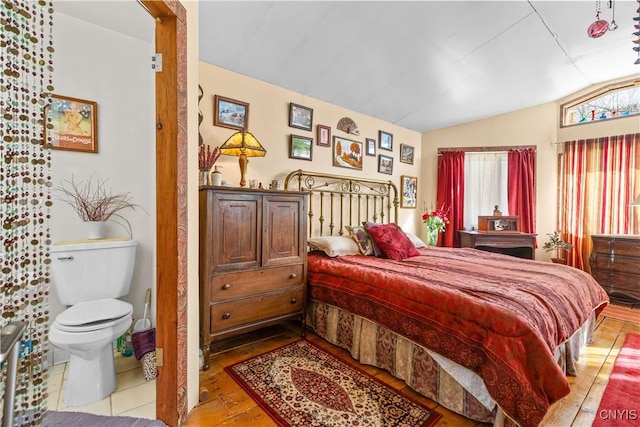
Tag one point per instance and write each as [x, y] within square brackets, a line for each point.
[610, 102]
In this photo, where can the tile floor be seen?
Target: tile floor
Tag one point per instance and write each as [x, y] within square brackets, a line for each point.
[134, 396]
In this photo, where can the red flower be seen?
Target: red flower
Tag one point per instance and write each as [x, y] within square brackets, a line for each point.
[436, 219]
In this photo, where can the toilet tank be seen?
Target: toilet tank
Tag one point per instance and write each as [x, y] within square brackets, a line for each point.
[91, 270]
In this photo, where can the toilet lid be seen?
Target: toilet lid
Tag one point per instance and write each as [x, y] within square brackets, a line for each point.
[94, 313]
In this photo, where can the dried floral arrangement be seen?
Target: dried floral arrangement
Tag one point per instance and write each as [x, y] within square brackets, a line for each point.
[206, 157]
[93, 201]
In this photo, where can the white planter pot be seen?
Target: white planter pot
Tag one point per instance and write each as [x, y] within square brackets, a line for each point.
[96, 230]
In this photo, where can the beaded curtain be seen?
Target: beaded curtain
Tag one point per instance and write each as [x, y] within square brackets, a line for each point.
[26, 54]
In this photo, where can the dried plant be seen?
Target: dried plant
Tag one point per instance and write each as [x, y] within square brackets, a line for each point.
[206, 157]
[93, 201]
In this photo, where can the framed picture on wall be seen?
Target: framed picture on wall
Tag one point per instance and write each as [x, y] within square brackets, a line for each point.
[347, 153]
[371, 146]
[300, 147]
[385, 140]
[300, 117]
[229, 113]
[74, 124]
[408, 191]
[406, 153]
[324, 136]
[385, 164]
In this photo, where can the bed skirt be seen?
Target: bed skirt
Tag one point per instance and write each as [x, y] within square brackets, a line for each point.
[433, 376]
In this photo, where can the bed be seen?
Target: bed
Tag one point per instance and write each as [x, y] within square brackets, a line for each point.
[489, 336]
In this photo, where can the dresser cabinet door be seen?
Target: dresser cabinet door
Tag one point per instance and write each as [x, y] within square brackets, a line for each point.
[236, 223]
[283, 233]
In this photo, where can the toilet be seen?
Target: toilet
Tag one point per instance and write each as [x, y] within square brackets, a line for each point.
[89, 276]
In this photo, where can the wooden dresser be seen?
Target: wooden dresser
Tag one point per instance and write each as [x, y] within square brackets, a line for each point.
[615, 264]
[253, 261]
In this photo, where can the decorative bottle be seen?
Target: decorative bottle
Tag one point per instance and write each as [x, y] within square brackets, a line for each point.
[217, 176]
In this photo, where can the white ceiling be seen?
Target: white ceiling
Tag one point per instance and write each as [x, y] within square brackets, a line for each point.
[422, 65]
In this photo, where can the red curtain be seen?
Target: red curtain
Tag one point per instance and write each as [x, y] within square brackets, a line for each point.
[521, 188]
[451, 194]
[599, 179]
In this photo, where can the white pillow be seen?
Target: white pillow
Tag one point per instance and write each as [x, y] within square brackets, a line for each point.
[417, 242]
[334, 245]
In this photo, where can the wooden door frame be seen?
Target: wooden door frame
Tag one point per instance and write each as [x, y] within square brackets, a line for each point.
[171, 210]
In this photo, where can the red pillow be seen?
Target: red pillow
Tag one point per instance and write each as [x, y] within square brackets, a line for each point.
[393, 242]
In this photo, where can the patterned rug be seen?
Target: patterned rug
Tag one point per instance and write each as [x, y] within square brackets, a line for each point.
[621, 313]
[302, 385]
[83, 419]
[619, 404]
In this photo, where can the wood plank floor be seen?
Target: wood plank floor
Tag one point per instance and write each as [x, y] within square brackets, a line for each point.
[227, 404]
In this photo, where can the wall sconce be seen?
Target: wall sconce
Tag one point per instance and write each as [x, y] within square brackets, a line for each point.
[243, 144]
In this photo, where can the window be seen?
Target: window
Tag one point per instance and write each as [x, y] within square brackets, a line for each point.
[620, 100]
[485, 185]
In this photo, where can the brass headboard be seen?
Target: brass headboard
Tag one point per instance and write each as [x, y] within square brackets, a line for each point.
[346, 200]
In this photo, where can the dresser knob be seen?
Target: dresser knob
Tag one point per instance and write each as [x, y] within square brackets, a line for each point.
[292, 276]
[226, 286]
[226, 316]
[293, 301]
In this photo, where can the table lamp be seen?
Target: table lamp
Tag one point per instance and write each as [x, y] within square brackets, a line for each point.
[243, 144]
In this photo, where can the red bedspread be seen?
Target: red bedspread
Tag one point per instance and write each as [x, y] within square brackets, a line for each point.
[500, 316]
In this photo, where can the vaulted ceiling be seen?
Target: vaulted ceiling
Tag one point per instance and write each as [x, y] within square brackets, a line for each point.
[422, 65]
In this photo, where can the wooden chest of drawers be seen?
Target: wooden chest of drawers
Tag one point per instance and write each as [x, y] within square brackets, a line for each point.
[252, 261]
[615, 264]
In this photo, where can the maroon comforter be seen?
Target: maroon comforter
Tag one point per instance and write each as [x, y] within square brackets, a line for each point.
[500, 316]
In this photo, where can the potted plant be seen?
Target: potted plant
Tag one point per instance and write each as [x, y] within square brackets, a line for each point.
[556, 243]
[95, 204]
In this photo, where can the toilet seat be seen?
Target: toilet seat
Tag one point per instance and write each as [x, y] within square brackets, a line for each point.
[93, 315]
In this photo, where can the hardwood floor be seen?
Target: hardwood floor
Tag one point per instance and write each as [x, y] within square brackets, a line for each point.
[228, 405]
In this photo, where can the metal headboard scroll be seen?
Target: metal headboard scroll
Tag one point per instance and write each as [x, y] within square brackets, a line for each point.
[347, 200]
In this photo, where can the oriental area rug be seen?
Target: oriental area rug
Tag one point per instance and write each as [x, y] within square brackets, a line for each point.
[621, 313]
[302, 385]
[619, 405]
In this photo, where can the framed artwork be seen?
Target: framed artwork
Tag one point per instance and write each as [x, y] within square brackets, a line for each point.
[229, 113]
[386, 140]
[74, 124]
[406, 153]
[347, 153]
[300, 117]
[300, 147]
[408, 191]
[371, 146]
[385, 164]
[324, 136]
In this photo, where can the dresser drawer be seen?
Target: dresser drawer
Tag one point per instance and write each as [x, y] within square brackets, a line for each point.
[625, 248]
[230, 314]
[616, 263]
[230, 286]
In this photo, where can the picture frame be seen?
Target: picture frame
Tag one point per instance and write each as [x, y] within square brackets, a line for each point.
[347, 153]
[371, 146]
[408, 191]
[300, 117]
[323, 137]
[385, 140]
[230, 113]
[300, 147]
[74, 124]
[406, 153]
[385, 164]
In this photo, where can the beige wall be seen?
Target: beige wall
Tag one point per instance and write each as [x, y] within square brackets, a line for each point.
[537, 126]
[269, 122]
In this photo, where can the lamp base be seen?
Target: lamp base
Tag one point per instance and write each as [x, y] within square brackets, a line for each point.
[243, 169]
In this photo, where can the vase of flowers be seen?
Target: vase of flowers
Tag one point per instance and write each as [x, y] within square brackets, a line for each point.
[436, 220]
[95, 204]
[206, 159]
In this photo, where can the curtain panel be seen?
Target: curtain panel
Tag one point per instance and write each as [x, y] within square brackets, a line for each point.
[451, 194]
[521, 188]
[599, 179]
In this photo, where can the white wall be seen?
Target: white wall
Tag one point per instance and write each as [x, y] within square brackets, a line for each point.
[112, 69]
